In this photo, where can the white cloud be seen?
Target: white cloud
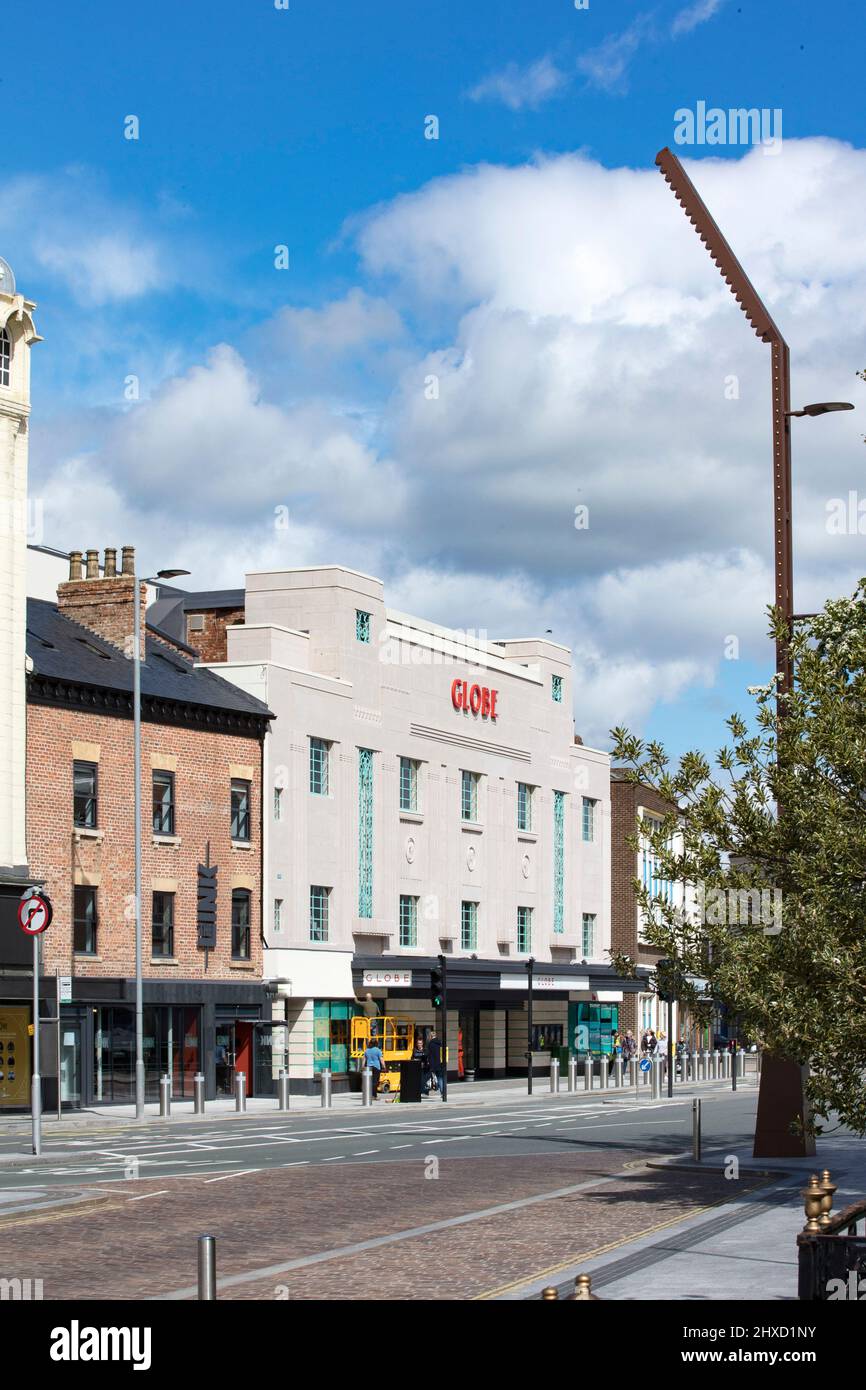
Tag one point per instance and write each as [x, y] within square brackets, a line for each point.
[517, 87]
[349, 323]
[691, 16]
[607, 65]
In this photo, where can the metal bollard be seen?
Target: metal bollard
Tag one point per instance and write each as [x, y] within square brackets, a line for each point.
[726, 1066]
[705, 1065]
[604, 1071]
[633, 1072]
[207, 1267]
[714, 1065]
[696, 1130]
[283, 1090]
[554, 1075]
[165, 1095]
[198, 1093]
[366, 1087]
[617, 1072]
[656, 1079]
[741, 1063]
[572, 1073]
[695, 1060]
[735, 1067]
[587, 1074]
[240, 1090]
[326, 1088]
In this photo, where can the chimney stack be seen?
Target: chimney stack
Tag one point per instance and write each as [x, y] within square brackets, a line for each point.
[104, 603]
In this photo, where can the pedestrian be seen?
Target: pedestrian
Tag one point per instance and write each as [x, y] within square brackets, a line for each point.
[436, 1063]
[375, 1061]
[629, 1047]
[650, 1043]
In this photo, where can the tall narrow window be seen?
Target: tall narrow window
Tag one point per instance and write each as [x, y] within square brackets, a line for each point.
[84, 804]
[558, 862]
[588, 819]
[524, 806]
[5, 357]
[588, 935]
[319, 766]
[162, 925]
[469, 796]
[469, 926]
[408, 920]
[84, 921]
[319, 905]
[408, 785]
[365, 832]
[241, 917]
[278, 803]
[556, 689]
[524, 930]
[163, 803]
[362, 625]
[278, 914]
[240, 809]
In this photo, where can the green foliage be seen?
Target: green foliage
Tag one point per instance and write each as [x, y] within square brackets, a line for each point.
[792, 966]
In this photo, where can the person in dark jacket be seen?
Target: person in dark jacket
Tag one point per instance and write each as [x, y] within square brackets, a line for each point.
[436, 1062]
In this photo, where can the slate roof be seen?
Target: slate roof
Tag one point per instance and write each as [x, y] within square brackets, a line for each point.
[62, 649]
[214, 598]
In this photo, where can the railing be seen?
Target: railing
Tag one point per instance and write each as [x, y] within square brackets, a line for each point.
[832, 1265]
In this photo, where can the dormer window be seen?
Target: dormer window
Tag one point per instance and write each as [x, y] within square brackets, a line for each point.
[5, 357]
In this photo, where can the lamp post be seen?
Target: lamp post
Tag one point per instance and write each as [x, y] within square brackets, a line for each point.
[781, 1091]
[136, 727]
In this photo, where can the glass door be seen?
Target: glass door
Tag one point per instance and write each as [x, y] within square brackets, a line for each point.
[224, 1056]
[70, 1062]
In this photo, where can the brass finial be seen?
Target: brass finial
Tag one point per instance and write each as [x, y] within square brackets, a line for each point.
[549, 1292]
[583, 1290]
[813, 1201]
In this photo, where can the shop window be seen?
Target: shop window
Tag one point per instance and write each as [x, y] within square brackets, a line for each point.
[84, 796]
[241, 917]
[163, 803]
[331, 1020]
[85, 920]
[546, 1036]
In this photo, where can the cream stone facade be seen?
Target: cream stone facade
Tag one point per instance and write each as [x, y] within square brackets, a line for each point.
[481, 834]
[17, 334]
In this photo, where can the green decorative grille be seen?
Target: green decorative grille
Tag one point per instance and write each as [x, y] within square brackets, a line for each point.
[556, 688]
[362, 625]
[558, 862]
[365, 832]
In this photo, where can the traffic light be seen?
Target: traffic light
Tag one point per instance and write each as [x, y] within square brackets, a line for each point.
[436, 988]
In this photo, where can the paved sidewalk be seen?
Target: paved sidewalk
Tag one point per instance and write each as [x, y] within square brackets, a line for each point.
[743, 1250]
[459, 1094]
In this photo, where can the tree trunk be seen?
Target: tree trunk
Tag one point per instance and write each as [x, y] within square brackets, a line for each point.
[781, 1101]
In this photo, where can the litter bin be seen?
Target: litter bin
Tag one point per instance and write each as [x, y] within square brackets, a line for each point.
[410, 1081]
[563, 1061]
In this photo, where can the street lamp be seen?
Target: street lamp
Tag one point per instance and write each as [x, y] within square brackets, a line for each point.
[781, 1090]
[136, 724]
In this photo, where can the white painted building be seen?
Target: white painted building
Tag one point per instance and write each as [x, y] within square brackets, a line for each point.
[428, 797]
[17, 333]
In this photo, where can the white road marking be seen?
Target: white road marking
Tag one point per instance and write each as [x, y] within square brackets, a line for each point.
[146, 1195]
[242, 1174]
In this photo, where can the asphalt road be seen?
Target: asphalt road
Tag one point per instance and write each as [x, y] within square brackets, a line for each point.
[227, 1147]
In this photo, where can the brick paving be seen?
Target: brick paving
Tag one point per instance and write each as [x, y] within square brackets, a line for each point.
[119, 1248]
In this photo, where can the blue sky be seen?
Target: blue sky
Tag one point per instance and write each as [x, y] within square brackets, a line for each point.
[306, 127]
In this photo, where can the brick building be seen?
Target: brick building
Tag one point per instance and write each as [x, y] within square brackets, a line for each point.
[202, 750]
[630, 805]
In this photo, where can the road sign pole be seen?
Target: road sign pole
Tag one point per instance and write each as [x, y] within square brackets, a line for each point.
[36, 1082]
[59, 1115]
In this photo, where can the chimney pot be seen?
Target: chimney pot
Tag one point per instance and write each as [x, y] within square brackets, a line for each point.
[92, 571]
[110, 571]
[74, 564]
[128, 560]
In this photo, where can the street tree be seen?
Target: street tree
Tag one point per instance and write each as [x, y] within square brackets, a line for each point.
[774, 915]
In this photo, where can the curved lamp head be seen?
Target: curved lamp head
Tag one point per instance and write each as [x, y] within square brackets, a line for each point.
[822, 408]
[171, 574]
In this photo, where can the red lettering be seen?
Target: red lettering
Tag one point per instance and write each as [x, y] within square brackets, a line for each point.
[485, 702]
[455, 693]
[493, 695]
[463, 704]
[475, 699]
